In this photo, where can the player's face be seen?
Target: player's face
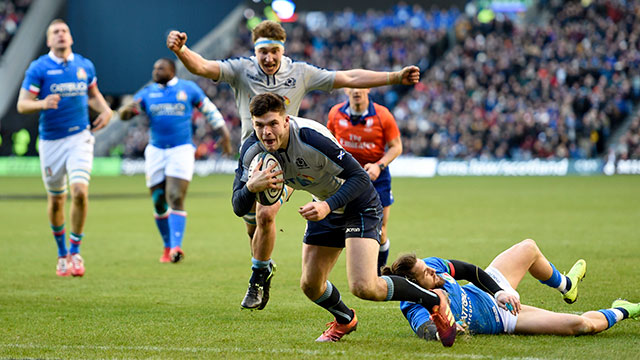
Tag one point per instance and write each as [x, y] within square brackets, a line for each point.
[272, 129]
[269, 58]
[162, 72]
[426, 276]
[358, 97]
[59, 37]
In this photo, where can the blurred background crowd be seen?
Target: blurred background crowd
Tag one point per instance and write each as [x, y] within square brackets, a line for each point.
[559, 83]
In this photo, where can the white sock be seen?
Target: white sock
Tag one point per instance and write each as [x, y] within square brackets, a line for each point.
[563, 285]
[618, 313]
[385, 246]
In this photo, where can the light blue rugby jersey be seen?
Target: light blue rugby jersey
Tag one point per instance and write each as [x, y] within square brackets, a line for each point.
[468, 303]
[71, 80]
[169, 109]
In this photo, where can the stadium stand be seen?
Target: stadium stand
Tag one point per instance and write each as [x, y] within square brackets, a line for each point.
[500, 90]
[11, 14]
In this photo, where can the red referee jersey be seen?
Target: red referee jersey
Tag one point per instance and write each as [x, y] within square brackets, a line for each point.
[366, 140]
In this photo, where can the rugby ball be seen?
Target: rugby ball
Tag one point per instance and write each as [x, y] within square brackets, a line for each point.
[269, 196]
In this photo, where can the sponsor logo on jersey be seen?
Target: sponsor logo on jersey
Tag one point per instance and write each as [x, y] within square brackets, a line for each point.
[69, 88]
[54, 72]
[167, 109]
[301, 164]
[343, 123]
[81, 74]
[352, 230]
[290, 82]
[181, 96]
[155, 95]
[369, 122]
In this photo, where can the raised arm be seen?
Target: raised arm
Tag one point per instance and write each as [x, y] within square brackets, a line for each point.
[194, 62]
[360, 78]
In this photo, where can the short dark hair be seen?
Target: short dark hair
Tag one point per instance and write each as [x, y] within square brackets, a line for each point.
[403, 267]
[269, 29]
[172, 64]
[267, 102]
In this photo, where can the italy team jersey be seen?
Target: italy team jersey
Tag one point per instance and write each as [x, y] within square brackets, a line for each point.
[468, 303]
[367, 138]
[292, 81]
[313, 161]
[71, 80]
[169, 109]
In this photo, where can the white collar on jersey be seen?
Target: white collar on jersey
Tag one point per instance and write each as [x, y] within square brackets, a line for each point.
[60, 60]
[171, 82]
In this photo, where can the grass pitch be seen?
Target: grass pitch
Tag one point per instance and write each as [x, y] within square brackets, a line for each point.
[128, 305]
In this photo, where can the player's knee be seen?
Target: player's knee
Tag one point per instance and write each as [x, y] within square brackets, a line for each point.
[530, 246]
[309, 288]
[265, 215]
[159, 201]
[174, 197]
[79, 193]
[57, 203]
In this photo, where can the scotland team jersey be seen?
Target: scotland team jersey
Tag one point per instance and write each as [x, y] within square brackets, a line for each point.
[71, 80]
[169, 109]
[313, 161]
[292, 81]
[468, 303]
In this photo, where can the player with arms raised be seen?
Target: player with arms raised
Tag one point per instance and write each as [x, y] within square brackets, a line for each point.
[270, 71]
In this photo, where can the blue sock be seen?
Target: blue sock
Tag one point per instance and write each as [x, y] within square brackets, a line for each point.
[75, 240]
[177, 224]
[555, 280]
[162, 221]
[260, 264]
[58, 235]
[612, 317]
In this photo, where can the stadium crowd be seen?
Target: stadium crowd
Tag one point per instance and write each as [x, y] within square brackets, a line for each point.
[535, 91]
[11, 14]
[503, 90]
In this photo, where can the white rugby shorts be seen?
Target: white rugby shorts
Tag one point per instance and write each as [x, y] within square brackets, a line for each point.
[508, 319]
[177, 162]
[71, 155]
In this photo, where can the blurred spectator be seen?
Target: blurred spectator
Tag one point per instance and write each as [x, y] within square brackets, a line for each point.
[11, 14]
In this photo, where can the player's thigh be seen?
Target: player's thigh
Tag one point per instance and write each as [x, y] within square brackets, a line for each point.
[533, 320]
[53, 157]
[362, 259]
[80, 158]
[180, 162]
[317, 263]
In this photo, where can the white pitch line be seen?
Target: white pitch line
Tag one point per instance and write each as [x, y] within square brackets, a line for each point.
[322, 352]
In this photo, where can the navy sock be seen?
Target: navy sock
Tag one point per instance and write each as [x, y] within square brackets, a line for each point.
[401, 289]
[332, 302]
[383, 255]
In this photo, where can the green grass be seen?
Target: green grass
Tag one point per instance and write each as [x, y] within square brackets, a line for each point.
[130, 306]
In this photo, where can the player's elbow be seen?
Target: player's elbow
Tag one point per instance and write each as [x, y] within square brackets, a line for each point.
[22, 108]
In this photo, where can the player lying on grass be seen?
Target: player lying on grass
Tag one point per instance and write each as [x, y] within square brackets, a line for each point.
[346, 213]
[481, 310]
